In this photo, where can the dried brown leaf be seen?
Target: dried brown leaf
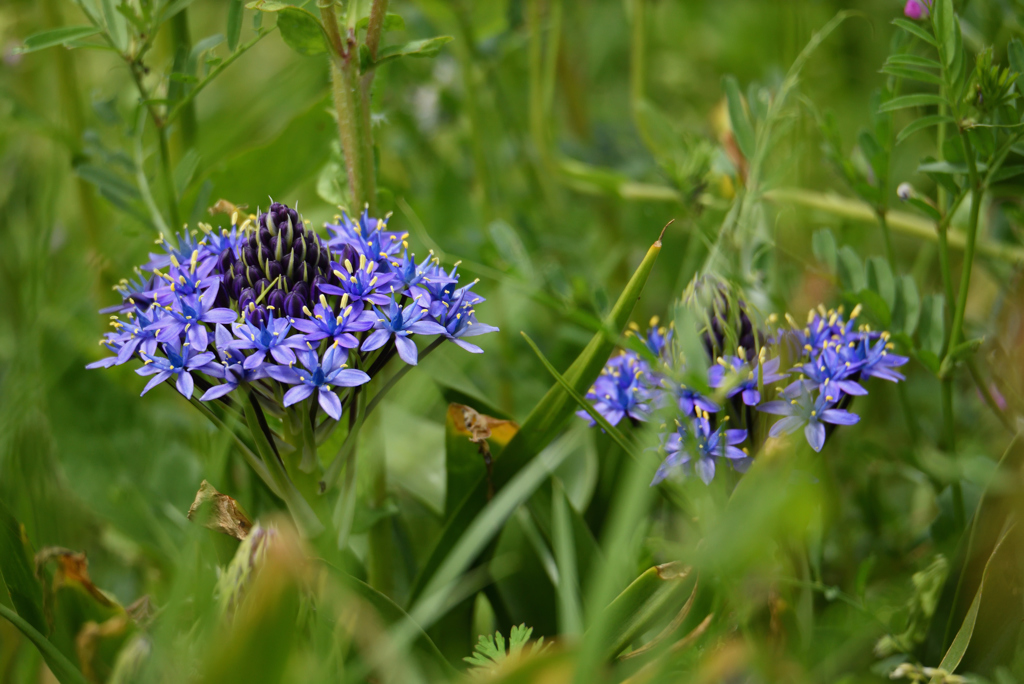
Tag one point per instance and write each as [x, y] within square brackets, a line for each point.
[219, 512]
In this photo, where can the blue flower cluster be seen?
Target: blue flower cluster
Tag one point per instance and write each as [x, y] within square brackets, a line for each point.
[270, 300]
[833, 356]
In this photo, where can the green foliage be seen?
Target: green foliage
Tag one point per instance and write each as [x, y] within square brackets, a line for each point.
[490, 652]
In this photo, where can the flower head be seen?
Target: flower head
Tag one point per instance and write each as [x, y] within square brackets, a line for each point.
[809, 412]
[398, 324]
[319, 376]
[694, 443]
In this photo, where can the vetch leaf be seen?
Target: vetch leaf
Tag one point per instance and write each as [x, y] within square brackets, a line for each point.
[392, 22]
[932, 326]
[742, 129]
[912, 73]
[943, 20]
[921, 124]
[916, 100]
[57, 36]
[428, 47]
[234, 30]
[916, 30]
[851, 270]
[301, 31]
[908, 306]
[881, 281]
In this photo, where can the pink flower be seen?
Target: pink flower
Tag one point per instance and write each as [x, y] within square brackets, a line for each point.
[916, 9]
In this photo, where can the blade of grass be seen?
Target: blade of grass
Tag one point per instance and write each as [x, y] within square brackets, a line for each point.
[570, 612]
[59, 665]
[543, 423]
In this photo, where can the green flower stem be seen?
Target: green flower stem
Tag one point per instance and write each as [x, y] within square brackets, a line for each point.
[883, 223]
[378, 12]
[349, 103]
[136, 69]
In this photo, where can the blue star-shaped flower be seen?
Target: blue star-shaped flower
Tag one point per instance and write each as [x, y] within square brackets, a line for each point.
[399, 323]
[319, 377]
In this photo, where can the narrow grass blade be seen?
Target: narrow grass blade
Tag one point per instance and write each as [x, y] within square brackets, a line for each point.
[17, 572]
[59, 665]
[570, 612]
[544, 421]
[963, 637]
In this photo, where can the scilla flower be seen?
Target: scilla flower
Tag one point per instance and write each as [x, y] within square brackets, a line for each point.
[319, 376]
[398, 324]
[807, 412]
[694, 443]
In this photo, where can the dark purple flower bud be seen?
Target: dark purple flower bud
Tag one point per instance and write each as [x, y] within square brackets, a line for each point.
[265, 236]
[275, 299]
[265, 256]
[253, 274]
[272, 269]
[223, 298]
[312, 251]
[225, 261]
[246, 297]
[286, 266]
[349, 252]
[299, 249]
[257, 316]
[249, 255]
[314, 290]
[293, 304]
[261, 286]
[301, 288]
[237, 283]
[254, 243]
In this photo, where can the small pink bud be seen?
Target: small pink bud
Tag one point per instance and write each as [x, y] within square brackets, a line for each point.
[916, 9]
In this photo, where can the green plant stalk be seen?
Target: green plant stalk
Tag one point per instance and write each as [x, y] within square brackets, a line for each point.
[181, 40]
[977, 190]
[302, 513]
[353, 123]
[883, 223]
[62, 668]
[135, 67]
[71, 104]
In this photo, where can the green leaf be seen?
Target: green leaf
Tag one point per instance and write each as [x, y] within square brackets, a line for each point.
[392, 22]
[929, 359]
[117, 28]
[107, 180]
[913, 61]
[916, 30]
[570, 612]
[545, 420]
[943, 20]
[301, 31]
[963, 636]
[658, 592]
[428, 47]
[60, 666]
[58, 36]
[1015, 53]
[911, 73]
[851, 270]
[17, 571]
[267, 5]
[185, 170]
[908, 306]
[742, 129]
[921, 124]
[880, 280]
[946, 167]
[875, 306]
[235, 12]
[1007, 172]
[925, 208]
[823, 245]
[916, 100]
[933, 325]
[172, 8]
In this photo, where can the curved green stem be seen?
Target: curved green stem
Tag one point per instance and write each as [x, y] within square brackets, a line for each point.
[62, 668]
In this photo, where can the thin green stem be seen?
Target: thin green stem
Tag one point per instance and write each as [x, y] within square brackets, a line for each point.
[182, 39]
[972, 233]
[883, 223]
[186, 101]
[62, 668]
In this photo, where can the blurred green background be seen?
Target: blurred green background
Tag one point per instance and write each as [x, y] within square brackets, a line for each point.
[521, 151]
